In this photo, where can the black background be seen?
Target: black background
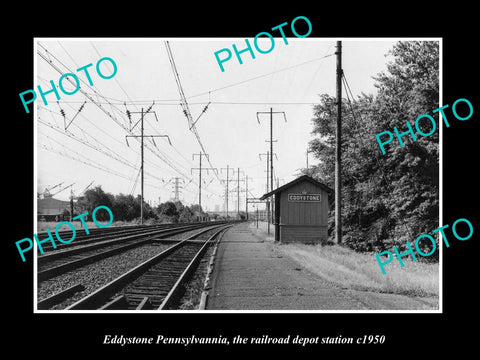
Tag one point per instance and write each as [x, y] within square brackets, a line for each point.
[60, 335]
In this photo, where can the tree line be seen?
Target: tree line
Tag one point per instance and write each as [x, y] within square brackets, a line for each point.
[127, 208]
[386, 199]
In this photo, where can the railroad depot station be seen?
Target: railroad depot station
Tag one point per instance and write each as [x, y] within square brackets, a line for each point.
[301, 211]
[243, 225]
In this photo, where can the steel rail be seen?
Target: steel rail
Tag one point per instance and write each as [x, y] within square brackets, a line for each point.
[74, 264]
[107, 234]
[57, 298]
[99, 244]
[98, 298]
[174, 293]
[92, 237]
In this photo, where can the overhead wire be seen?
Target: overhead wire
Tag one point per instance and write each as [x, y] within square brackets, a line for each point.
[260, 76]
[184, 105]
[347, 88]
[134, 186]
[99, 102]
[86, 160]
[101, 143]
[112, 116]
[110, 154]
[130, 101]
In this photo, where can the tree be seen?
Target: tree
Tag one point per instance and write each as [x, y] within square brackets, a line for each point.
[186, 215]
[168, 210]
[386, 199]
[126, 207]
[195, 208]
[148, 212]
[409, 89]
[94, 198]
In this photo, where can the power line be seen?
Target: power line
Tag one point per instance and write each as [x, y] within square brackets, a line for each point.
[84, 142]
[112, 116]
[261, 76]
[142, 136]
[91, 163]
[110, 154]
[47, 57]
[271, 112]
[184, 104]
[115, 78]
[200, 175]
[175, 101]
[348, 90]
[146, 102]
[101, 143]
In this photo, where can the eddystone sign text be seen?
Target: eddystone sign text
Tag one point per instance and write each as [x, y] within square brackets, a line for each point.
[304, 198]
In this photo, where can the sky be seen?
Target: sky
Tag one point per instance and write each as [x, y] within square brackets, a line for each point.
[94, 147]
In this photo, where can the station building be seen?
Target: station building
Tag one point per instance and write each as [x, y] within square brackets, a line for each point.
[301, 211]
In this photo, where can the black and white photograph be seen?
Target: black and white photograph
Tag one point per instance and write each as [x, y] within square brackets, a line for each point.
[220, 176]
[237, 182]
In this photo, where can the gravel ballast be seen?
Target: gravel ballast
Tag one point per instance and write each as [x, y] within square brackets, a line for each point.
[98, 274]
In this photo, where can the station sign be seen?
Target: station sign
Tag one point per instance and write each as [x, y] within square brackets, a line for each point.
[304, 197]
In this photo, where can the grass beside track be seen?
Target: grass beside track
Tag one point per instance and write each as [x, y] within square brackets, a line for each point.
[360, 271]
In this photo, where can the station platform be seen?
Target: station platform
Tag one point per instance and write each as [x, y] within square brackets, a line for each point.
[251, 273]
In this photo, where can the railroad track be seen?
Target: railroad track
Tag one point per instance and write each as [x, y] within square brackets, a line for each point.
[158, 282]
[58, 262]
[98, 235]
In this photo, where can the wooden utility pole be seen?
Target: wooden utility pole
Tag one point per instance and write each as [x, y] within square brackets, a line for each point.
[238, 191]
[228, 168]
[271, 151]
[141, 146]
[268, 200]
[200, 175]
[141, 136]
[271, 112]
[338, 149]
[246, 195]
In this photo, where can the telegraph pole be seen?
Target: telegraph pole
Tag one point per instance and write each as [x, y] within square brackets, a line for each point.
[267, 154]
[142, 136]
[269, 183]
[200, 175]
[141, 169]
[71, 205]
[227, 181]
[338, 157]
[238, 191]
[246, 195]
[271, 112]
[271, 150]
[268, 200]
[278, 182]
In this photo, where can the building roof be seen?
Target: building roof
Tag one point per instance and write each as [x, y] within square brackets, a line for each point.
[296, 181]
[51, 206]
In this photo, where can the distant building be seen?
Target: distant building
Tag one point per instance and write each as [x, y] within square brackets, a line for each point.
[200, 217]
[50, 209]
